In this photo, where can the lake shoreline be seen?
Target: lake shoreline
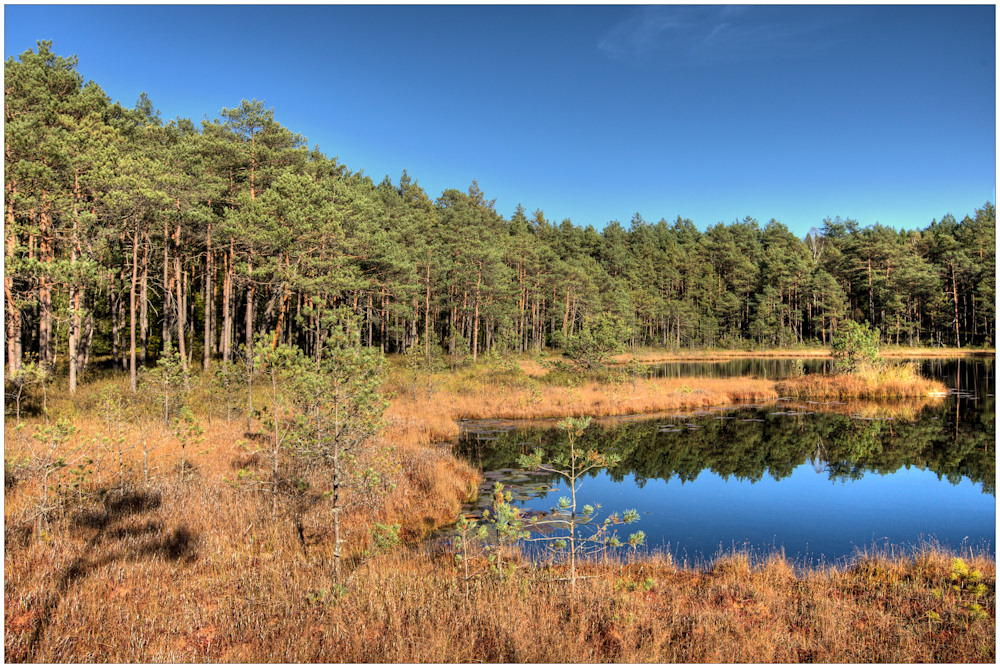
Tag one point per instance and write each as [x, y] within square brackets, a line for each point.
[431, 417]
[722, 355]
[235, 567]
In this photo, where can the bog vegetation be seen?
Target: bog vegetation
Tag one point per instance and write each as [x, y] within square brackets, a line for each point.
[202, 461]
[128, 541]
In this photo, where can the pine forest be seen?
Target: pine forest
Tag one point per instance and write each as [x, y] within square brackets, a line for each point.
[126, 236]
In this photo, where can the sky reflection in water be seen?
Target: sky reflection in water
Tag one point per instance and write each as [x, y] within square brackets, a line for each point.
[819, 486]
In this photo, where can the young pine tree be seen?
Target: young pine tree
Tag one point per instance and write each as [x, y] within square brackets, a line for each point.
[341, 409]
[581, 532]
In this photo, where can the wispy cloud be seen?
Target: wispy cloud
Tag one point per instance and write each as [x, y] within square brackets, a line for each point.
[714, 33]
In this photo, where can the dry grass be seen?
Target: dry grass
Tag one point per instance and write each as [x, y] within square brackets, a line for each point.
[912, 351]
[652, 356]
[422, 417]
[907, 409]
[202, 576]
[885, 382]
[202, 571]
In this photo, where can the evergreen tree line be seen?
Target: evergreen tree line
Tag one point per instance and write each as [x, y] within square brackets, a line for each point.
[126, 236]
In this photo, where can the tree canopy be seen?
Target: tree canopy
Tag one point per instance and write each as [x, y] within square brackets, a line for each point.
[127, 236]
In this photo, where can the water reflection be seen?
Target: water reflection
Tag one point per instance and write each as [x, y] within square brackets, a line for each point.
[751, 443]
[900, 470]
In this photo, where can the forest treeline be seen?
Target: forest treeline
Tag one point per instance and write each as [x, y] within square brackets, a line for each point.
[126, 235]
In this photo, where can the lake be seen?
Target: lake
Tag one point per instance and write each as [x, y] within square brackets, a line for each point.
[820, 481]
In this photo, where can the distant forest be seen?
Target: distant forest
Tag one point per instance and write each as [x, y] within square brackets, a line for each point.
[125, 232]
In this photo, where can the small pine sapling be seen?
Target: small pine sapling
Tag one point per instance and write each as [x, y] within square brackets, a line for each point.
[51, 456]
[188, 432]
[117, 409]
[508, 528]
[227, 379]
[340, 412]
[250, 369]
[634, 369]
[21, 381]
[566, 516]
[469, 532]
[278, 363]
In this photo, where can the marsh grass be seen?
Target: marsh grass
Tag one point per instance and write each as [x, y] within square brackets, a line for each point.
[884, 381]
[201, 569]
[205, 579]
[478, 394]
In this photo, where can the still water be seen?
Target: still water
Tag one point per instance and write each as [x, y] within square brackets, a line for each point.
[820, 481]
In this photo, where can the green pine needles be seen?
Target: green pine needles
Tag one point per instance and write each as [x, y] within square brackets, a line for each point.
[855, 347]
[578, 531]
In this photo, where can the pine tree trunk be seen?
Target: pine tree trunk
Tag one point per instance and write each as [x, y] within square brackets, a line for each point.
[369, 314]
[209, 300]
[120, 316]
[384, 321]
[88, 337]
[189, 316]
[45, 347]
[131, 310]
[566, 314]
[475, 326]
[166, 342]
[227, 304]
[179, 301]
[144, 300]
[954, 286]
[76, 289]
[13, 315]
[427, 312]
[250, 296]
[871, 294]
[113, 313]
[74, 327]
[74, 334]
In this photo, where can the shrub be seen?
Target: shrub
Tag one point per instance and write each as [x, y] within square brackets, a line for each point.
[855, 347]
[600, 337]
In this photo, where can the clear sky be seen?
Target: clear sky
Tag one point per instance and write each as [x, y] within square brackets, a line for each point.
[593, 113]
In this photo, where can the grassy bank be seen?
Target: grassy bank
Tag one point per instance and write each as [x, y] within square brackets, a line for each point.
[199, 575]
[425, 415]
[654, 355]
[209, 569]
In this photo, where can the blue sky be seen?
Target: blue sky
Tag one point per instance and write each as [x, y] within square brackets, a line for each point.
[593, 113]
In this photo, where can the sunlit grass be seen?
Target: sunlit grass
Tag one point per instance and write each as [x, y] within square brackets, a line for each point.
[887, 381]
[205, 577]
[201, 570]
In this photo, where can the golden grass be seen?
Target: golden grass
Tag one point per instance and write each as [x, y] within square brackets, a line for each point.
[201, 571]
[652, 356]
[912, 351]
[906, 408]
[426, 418]
[204, 577]
[885, 382]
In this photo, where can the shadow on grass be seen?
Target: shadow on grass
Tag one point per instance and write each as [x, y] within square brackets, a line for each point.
[124, 543]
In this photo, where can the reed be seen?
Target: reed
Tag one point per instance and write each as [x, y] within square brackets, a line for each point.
[652, 356]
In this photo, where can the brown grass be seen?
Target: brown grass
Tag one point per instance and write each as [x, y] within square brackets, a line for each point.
[652, 356]
[201, 571]
[888, 382]
[427, 418]
[204, 577]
